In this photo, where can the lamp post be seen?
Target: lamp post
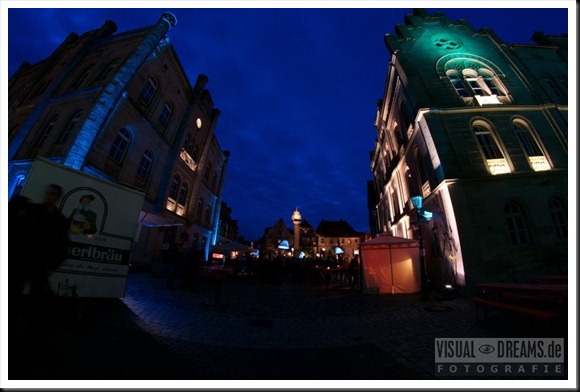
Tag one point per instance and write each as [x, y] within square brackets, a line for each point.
[422, 216]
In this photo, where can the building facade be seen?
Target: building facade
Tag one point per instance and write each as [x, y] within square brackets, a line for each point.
[478, 128]
[338, 234]
[121, 108]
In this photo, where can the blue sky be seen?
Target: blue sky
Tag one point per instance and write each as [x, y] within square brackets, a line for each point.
[296, 87]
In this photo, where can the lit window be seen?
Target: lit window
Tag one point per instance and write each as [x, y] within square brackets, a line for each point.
[531, 147]
[120, 146]
[474, 81]
[516, 223]
[145, 165]
[558, 214]
[457, 83]
[488, 143]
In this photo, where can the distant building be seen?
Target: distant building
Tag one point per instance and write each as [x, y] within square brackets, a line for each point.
[228, 227]
[273, 237]
[479, 129]
[120, 107]
[319, 242]
[333, 234]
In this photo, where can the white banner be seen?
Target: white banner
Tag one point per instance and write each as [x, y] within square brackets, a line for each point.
[103, 221]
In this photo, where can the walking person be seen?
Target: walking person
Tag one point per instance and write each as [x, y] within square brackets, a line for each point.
[49, 230]
[19, 225]
[353, 271]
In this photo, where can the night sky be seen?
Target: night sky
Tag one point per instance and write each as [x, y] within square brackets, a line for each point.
[296, 87]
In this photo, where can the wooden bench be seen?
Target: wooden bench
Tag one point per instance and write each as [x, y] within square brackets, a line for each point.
[541, 298]
[485, 302]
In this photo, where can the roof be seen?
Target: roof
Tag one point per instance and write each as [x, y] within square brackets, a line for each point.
[339, 228]
[387, 240]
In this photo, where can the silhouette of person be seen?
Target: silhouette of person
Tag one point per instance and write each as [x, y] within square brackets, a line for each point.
[50, 232]
[20, 223]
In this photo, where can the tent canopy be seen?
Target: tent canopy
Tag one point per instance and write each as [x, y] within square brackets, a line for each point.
[230, 247]
[390, 264]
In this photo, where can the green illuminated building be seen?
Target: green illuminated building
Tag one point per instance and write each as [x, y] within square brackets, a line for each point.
[479, 128]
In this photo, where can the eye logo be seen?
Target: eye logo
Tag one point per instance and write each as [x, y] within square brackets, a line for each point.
[486, 349]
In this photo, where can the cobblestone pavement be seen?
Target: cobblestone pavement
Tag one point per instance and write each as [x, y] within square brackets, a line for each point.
[239, 329]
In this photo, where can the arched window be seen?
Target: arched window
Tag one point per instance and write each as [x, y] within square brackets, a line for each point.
[108, 70]
[149, 90]
[489, 147]
[43, 134]
[422, 175]
[84, 76]
[486, 140]
[475, 81]
[166, 114]
[411, 186]
[516, 223]
[199, 207]
[145, 165]
[457, 83]
[182, 196]
[559, 217]
[174, 186]
[208, 213]
[120, 146]
[67, 130]
[530, 144]
[399, 136]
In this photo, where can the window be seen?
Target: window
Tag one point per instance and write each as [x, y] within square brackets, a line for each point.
[108, 69]
[207, 214]
[558, 214]
[166, 114]
[474, 81]
[530, 145]
[41, 138]
[486, 141]
[66, 132]
[207, 171]
[194, 152]
[174, 186]
[182, 196]
[490, 148]
[516, 223]
[199, 207]
[145, 165]
[84, 76]
[120, 146]
[457, 83]
[149, 90]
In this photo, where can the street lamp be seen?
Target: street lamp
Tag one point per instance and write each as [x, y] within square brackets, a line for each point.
[422, 216]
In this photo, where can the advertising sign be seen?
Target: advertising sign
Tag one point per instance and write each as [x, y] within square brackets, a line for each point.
[102, 220]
